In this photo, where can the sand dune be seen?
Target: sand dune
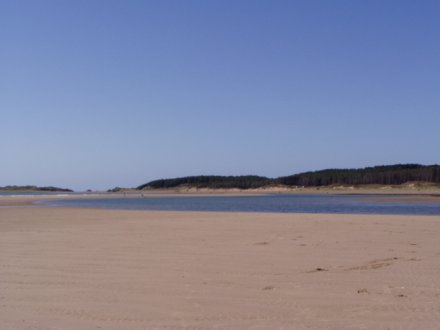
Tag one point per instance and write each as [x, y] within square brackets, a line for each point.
[66, 268]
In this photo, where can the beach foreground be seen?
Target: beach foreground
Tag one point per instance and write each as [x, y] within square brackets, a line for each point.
[64, 268]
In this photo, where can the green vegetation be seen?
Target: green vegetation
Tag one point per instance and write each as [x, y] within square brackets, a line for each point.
[211, 181]
[116, 189]
[383, 175]
[33, 188]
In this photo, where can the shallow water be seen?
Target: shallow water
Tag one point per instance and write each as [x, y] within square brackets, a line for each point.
[357, 204]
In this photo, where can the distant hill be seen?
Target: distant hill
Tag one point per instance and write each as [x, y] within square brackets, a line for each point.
[33, 188]
[383, 175]
[210, 181]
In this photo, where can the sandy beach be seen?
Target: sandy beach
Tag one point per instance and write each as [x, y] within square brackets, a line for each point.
[65, 268]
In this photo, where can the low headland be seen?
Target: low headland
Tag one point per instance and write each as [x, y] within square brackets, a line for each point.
[378, 175]
[33, 189]
[390, 179]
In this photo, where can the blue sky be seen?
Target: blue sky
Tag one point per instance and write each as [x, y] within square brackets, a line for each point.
[97, 94]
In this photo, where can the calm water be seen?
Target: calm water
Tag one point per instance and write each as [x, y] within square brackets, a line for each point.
[362, 204]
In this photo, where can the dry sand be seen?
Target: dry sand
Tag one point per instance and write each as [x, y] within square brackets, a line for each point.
[64, 268]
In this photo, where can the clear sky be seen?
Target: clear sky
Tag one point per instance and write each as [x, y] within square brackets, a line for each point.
[97, 94]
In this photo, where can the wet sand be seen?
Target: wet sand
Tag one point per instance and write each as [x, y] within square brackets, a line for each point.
[64, 268]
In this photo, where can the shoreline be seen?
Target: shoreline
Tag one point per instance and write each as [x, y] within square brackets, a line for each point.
[409, 196]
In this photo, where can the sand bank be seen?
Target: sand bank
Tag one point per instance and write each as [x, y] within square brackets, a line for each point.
[88, 269]
[405, 189]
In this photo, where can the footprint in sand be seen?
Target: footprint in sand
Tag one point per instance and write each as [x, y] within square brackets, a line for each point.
[414, 259]
[363, 291]
[269, 287]
[375, 264]
[316, 270]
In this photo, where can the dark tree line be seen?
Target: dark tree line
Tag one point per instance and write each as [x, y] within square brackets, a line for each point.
[384, 175]
[211, 181]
